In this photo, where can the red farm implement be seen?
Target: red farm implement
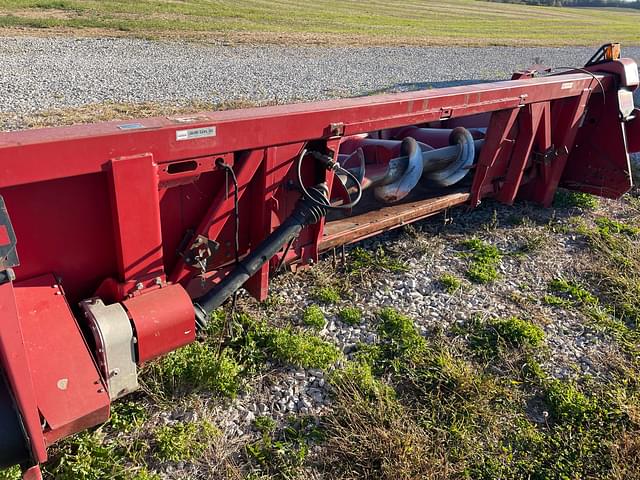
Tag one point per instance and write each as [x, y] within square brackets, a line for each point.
[117, 240]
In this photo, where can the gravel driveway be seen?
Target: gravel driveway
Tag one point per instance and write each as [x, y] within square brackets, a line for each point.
[39, 74]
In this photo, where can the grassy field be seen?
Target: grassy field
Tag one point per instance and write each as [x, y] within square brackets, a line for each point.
[346, 22]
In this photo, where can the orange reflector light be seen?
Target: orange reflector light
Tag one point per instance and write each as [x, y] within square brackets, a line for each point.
[612, 51]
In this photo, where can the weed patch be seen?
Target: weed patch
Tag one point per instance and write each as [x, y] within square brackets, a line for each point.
[12, 473]
[199, 366]
[450, 283]
[264, 424]
[89, 456]
[183, 441]
[534, 242]
[484, 260]
[607, 226]
[362, 261]
[282, 455]
[253, 342]
[350, 315]
[314, 317]
[570, 199]
[327, 295]
[500, 335]
[299, 349]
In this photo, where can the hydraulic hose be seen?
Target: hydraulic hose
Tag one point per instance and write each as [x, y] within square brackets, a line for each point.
[309, 210]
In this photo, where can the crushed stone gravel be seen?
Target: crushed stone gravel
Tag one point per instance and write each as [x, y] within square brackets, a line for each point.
[39, 74]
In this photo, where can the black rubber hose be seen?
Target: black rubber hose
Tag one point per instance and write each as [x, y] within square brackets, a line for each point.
[306, 213]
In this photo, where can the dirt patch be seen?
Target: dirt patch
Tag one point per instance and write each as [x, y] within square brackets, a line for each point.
[55, 13]
[102, 112]
[276, 38]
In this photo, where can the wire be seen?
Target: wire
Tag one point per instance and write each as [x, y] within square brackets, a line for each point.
[336, 169]
[236, 214]
[284, 255]
[588, 72]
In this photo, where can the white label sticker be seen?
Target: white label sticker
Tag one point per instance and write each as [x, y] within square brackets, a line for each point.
[195, 133]
[130, 126]
[566, 86]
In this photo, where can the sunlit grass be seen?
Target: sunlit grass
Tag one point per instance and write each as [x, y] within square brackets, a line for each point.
[460, 22]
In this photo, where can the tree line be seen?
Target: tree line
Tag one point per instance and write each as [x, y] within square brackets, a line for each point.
[577, 3]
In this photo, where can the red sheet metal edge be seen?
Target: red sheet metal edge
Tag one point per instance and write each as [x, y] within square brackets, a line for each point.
[15, 361]
[68, 387]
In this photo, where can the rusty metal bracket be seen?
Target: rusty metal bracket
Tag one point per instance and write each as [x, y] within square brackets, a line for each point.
[200, 250]
[545, 157]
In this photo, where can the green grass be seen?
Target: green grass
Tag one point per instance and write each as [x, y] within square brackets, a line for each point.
[484, 260]
[503, 334]
[569, 199]
[416, 407]
[328, 295]
[459, 22]
[314, 317]
[183, 441]
[350, 315]
[365, 261]
[450, 283]
[607, 317]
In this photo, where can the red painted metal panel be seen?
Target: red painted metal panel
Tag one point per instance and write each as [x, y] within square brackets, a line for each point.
[497, 143]
[64, 226]
[528, 126]
[599, 161]
[4, 236]
[69, 390]
[220, 210]
[568, 117]
[136, 211]
[262, 127]
[164, 320]
[16, 364]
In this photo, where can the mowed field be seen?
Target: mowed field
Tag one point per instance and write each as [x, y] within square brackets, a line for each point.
[344, 22]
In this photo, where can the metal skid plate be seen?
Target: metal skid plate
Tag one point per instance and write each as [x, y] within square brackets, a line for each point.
[115, 345]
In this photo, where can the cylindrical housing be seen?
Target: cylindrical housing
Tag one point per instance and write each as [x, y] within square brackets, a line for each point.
[163, 319]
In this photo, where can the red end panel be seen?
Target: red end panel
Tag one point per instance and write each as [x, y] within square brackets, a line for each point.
[633, 132]
[15, 362]
[599, 163]
[164, 320]
[136, 212]
[70, 394]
